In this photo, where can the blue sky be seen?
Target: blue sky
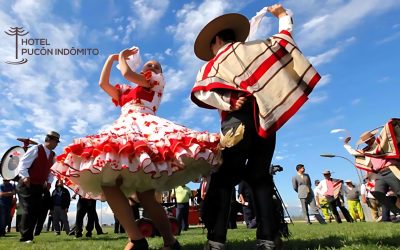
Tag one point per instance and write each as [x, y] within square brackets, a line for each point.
[352, 43]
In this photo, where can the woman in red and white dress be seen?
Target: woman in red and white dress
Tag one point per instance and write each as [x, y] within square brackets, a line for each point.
[140, 153]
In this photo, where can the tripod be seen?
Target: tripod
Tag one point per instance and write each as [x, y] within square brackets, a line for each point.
[279, 197]
[280, 212]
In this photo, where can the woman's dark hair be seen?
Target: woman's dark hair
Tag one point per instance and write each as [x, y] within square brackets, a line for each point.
[226, 35]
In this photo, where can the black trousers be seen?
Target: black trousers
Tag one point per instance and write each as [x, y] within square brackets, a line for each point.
[235, 209]
[41, 219]
[182, 215]
[118, 228]
[85, 207]
[96, 222]
[17, 222]
[248, 214]
[384, 180]
[332, 202]
[335, 202]
[345, 212]
[29, 200]
[5, 211]
[250, 161]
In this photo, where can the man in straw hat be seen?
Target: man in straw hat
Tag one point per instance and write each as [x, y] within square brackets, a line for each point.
[242, 80]
[386, 169]
[34, 170]
[330, 189]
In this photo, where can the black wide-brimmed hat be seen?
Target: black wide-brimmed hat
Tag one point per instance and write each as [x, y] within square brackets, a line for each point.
[234, 21]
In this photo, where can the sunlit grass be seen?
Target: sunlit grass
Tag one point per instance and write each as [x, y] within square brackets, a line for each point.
[331, 236]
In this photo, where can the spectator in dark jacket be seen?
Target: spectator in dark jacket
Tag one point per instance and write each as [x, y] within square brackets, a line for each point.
[7, 192]
[61, 201]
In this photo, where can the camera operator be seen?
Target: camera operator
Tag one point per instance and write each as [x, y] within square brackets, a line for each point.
[275, 168]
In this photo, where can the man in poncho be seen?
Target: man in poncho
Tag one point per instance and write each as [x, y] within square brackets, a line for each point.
[256, 86]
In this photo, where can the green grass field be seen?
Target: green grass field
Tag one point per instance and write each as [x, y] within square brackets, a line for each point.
[331, 236]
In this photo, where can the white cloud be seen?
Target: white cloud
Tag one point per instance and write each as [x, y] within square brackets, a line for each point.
[149, 12]
[89, 65]
[10, 123]
[328, 56]
[31, 11]
[314, 23]
[119, 19]
[109, 31]
[208, 119]
[166, 97]
[338, 130]
[334, 18]
[333, 121]
[384, 79]
[47, 91]
[176, 80]
[168, 52]
[191, 19]
[129, 28]
[389, 38]
[79, 127]
[76, 4]
[188, 112]
[42, 118]
[325, 79]
[356, 101]
[324, 57]
[267, 25]
[318, 97]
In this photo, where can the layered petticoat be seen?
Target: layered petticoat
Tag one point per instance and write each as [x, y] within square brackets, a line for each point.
[141, 150]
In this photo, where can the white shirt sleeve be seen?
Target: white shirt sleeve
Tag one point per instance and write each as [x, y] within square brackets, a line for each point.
[27, 160]
[322, 188]
[286, 23]
[219, 101]
[363, 189]
[351, 150]
[50, 178]
[316, 192]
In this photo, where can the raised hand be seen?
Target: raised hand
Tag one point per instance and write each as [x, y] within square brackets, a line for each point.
[347, 139]
[128, 52]
[277, 10]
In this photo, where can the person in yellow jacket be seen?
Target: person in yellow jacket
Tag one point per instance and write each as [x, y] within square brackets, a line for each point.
[182, 195]
[353, 201]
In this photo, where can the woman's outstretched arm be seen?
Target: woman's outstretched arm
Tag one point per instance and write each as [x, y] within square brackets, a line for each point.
[128, 74]
[105, 78]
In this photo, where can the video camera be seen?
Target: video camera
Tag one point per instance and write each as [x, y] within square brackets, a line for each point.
[275, 168]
